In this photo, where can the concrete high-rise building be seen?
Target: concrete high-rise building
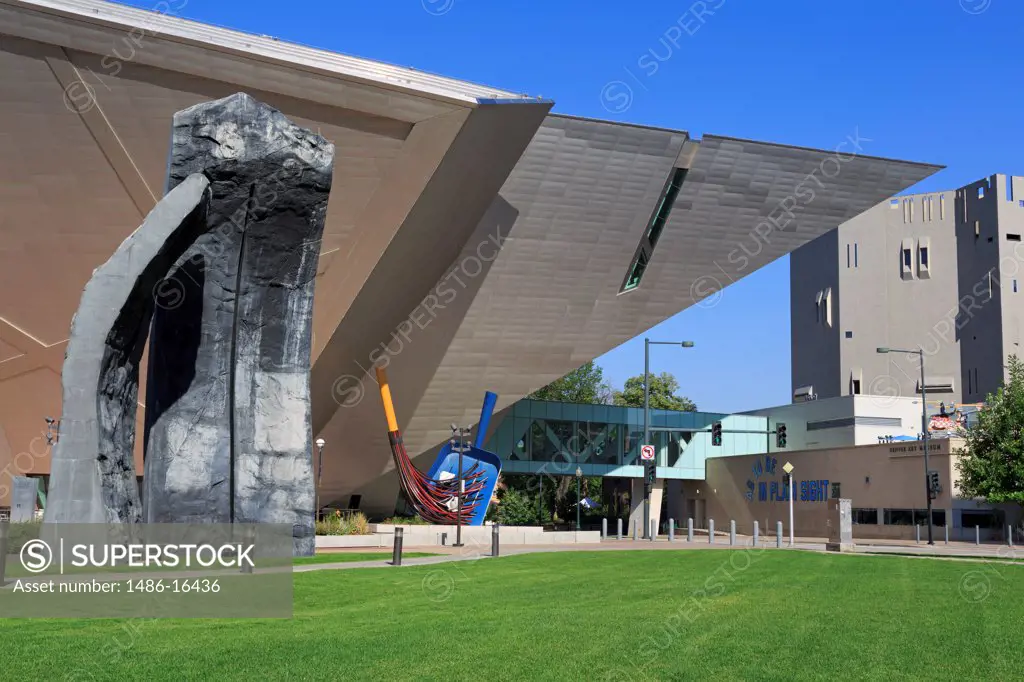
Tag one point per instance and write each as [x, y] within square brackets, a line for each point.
[939, 271]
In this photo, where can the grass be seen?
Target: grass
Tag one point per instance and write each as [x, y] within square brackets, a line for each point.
[636, 615]
[345, 557]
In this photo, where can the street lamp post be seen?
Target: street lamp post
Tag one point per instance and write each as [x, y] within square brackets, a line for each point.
[647, 424]
[320, 443]
[924, 431]
[579, 475]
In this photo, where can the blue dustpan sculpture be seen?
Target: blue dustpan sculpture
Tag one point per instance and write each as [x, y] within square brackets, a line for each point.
[475, 460]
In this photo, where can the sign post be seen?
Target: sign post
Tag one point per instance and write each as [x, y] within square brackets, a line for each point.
[788, 468]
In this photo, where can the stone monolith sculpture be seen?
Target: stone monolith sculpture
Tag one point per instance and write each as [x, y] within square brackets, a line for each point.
[228, 426]
[92, 471]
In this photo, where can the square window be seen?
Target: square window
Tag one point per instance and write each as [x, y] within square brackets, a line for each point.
[849, 335]
[895, 203]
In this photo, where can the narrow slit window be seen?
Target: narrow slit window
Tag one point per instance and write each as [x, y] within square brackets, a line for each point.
[1014, 286]
[847, 255]
[855, 387]
[908, 259]
[659, 219]
[1009, 188]
[942, 207]
[924, 256]
[981, 192]
[855, 254]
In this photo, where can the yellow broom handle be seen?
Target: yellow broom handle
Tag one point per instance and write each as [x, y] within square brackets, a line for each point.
[385, 396]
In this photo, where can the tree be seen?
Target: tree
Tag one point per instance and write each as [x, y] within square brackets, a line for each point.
[583, 385]
[662, 394]
[516, 509]
[992, 459]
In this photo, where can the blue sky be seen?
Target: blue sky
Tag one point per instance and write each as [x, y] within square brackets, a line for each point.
[928, 80]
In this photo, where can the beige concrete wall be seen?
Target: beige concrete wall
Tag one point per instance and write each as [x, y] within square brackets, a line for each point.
[872, 476]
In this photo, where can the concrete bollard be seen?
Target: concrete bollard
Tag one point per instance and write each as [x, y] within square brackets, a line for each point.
[604, 529]
[671, 530]
[618, 529]
[732, 532]
[977, 535]
[1009, 535]
[917, 532]
[778, 534]
[636, 535]
[756, 529]
[947, 533]
[396, 552]
[495, 540]
[689, 530]
[711, 531]
[654, 529]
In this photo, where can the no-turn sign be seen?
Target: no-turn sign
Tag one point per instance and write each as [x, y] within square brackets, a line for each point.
[647, 452]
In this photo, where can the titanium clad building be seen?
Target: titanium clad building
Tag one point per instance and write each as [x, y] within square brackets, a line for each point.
[474, 241]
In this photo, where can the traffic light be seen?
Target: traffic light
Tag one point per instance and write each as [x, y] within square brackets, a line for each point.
[780, 435]
[716, 434]
[934, 488]
[652, 473]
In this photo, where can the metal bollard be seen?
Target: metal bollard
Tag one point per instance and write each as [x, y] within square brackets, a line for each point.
[689, 530]
[671, 530]
[247, 568]
[917, 531]
[604, 529]
[947, 533]
[636, 534]
[1009, 535]
[756, 529]
[396, 553]
[495, 549]
[4, 530]
[711, 531]
[618, 529]
[654, 529]
[977, 535]
[732, 532]
[778, 534]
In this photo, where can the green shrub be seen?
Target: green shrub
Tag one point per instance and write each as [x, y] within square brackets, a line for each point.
[354, 524]
[20, 533]
[406, 521]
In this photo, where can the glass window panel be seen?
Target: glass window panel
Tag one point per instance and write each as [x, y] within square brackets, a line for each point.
[520, 438]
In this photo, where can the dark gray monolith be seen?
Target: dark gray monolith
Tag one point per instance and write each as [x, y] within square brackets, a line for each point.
[92, 471]
[228, 428]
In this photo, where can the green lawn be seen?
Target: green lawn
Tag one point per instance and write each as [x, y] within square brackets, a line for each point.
[654, 615]
[345, 557]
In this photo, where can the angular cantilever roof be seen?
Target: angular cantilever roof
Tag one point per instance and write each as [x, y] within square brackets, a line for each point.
[569, 219]
[112, 24]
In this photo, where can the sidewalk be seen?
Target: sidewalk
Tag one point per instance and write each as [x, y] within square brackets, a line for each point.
[957, 551]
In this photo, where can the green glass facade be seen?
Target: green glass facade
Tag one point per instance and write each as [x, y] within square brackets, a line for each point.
[539, 436]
